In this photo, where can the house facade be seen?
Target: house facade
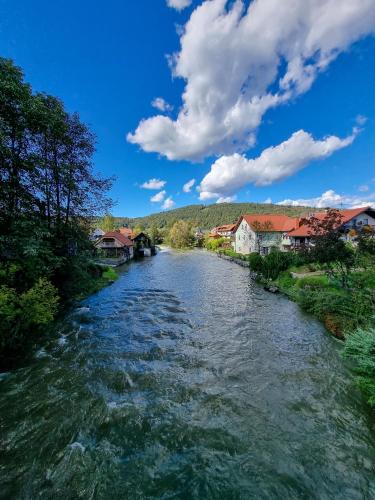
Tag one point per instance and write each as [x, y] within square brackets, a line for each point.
[354, 221]
[115, 245]
[262, 233]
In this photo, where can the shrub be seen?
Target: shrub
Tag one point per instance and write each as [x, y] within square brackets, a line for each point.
[276, 262]
[341, 311]
[39, 304]
[214, 243]
[110, 274]
[360, 347]
[255, 262]
[19, 312]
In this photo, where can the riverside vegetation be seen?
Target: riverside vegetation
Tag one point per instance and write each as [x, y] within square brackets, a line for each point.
[332, 280]
[48, 195]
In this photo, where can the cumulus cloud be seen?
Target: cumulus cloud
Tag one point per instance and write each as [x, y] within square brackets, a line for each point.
[364, 188]
[161, 104]
[153, 184]
[332, 199]
[178, 4]
[230, 173]
[168, 203]
[158, 197]
[241, 59]
[187, 187]
[226, 199]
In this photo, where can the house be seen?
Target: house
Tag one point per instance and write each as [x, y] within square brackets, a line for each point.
[226, 231]
[116, 246]
[354, 220]
[96, 233]
[261, 233]
[142, 245]
[126, 231]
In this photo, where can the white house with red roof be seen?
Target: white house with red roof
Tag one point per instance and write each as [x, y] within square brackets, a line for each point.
[261, 233]
[354, 220]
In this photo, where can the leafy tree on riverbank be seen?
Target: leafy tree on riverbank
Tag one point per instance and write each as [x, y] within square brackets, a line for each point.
[180, 235]
[48, 195]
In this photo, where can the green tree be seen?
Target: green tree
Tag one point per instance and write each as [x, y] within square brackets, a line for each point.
[328, 246]
[180, 235]
[49, 195]
[107, 223]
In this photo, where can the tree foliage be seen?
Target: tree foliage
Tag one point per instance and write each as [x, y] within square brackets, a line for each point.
[180, 235]
[48, 195]
[209, 216]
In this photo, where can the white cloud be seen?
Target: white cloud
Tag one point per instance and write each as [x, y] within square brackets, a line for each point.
[168, 203]
[364, 188]
[226, 199]
[232, 56]
[187, 187]
[153, 184]
[361, 120]
[332, 199]
[161, 104]
[268, 201]
[178, 4]
[230, 173]
[158, 197]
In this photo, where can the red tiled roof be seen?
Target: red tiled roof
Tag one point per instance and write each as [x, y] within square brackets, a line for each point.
[271, 222]
[348, 214]
[226, 227]
[126, 231]
[119, 237]
[352, 212]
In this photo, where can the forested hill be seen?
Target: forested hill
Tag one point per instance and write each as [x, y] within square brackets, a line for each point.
[208, 216]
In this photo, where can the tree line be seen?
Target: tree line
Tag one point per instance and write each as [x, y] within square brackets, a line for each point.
[209, 216]
[49, 193]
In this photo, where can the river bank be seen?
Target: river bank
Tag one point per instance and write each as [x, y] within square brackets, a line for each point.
[185, 378]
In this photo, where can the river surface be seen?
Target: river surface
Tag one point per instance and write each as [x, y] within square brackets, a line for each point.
[184, 379]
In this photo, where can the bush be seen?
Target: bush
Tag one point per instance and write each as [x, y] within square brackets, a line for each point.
[110, 274]
[255, 262]
[39, 304]
[276, 262]
[340, 311]
[31, 309]
[360, 347]
[214, 243]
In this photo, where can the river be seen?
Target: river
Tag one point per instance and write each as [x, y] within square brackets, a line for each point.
[184, 379]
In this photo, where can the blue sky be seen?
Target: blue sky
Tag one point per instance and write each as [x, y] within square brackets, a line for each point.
[109, 61]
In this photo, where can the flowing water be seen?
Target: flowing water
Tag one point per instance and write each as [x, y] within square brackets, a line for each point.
[185, 379]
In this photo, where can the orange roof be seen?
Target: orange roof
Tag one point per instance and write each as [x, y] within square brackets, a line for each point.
[126, 231]
[348, 214]
[119, 237]
[226, 227]
[353, 212]
[271, 222]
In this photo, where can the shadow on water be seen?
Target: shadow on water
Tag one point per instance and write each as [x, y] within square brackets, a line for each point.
[184, 379]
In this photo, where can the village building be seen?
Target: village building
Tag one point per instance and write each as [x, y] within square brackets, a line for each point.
[354, 221]
[261, 233]
[96, 234]
[126, 231]
[142, 245]
[116, 246]
[226, 231]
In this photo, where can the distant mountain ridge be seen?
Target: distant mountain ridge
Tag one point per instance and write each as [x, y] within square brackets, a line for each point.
[208, 216]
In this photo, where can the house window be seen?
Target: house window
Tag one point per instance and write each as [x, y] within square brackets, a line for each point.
[365, 222]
